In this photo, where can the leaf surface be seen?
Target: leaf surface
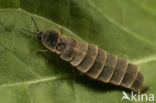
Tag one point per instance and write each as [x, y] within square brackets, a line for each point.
[125, 28]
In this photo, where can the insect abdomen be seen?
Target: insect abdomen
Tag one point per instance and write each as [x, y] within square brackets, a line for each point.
[98, 64]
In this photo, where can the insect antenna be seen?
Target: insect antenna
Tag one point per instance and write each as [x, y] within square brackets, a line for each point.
[35, 24]
[29, 31]
[35, 27]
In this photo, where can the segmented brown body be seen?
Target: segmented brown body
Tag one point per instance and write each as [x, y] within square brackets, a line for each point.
[94, 62]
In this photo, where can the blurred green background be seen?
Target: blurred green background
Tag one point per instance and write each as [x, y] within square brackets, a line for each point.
[126, 28]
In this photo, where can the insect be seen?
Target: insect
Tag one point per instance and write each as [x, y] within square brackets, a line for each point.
[92, 61]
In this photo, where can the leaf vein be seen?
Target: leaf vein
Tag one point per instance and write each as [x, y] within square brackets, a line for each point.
[122, 27]
[26, 83]
[145, 8]
[20, 61]
[144, 60]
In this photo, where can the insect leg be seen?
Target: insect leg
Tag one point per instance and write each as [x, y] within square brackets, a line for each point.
[42, 51]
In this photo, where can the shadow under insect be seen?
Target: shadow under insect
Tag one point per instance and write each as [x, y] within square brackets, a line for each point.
[78, 77]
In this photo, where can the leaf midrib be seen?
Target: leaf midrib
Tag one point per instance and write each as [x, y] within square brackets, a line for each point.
[25, 83]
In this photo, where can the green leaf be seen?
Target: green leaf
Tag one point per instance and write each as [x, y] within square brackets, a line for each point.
[123, 27]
